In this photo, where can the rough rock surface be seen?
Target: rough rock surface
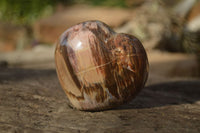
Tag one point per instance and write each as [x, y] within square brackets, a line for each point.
[31, 100]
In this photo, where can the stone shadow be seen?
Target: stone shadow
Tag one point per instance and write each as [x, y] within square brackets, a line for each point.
[157, 95]
[169, 93]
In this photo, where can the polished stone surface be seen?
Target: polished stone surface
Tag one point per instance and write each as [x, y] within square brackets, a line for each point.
[98, 68]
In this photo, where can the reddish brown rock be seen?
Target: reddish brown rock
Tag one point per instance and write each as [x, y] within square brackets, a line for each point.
[13, 37]
[195, 11]
[99, 68]
[47, 30]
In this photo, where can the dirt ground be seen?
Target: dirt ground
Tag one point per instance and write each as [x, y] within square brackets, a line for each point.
[32, 100]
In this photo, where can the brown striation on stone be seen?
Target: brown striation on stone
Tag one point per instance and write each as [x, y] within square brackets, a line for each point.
[98, 68]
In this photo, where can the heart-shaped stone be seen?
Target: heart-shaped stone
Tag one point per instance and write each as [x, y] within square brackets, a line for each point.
[98, 68]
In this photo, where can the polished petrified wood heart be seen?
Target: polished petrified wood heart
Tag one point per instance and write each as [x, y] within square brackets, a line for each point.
[98, 68]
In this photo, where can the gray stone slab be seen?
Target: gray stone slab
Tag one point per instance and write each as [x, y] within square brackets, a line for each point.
[32, 100]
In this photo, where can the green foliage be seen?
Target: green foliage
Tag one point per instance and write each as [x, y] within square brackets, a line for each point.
[115, 3]
[27, 11]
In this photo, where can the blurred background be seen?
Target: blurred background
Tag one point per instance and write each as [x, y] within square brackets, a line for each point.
[169, 31]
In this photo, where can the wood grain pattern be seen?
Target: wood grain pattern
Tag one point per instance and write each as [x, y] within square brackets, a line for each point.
[98, 68]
